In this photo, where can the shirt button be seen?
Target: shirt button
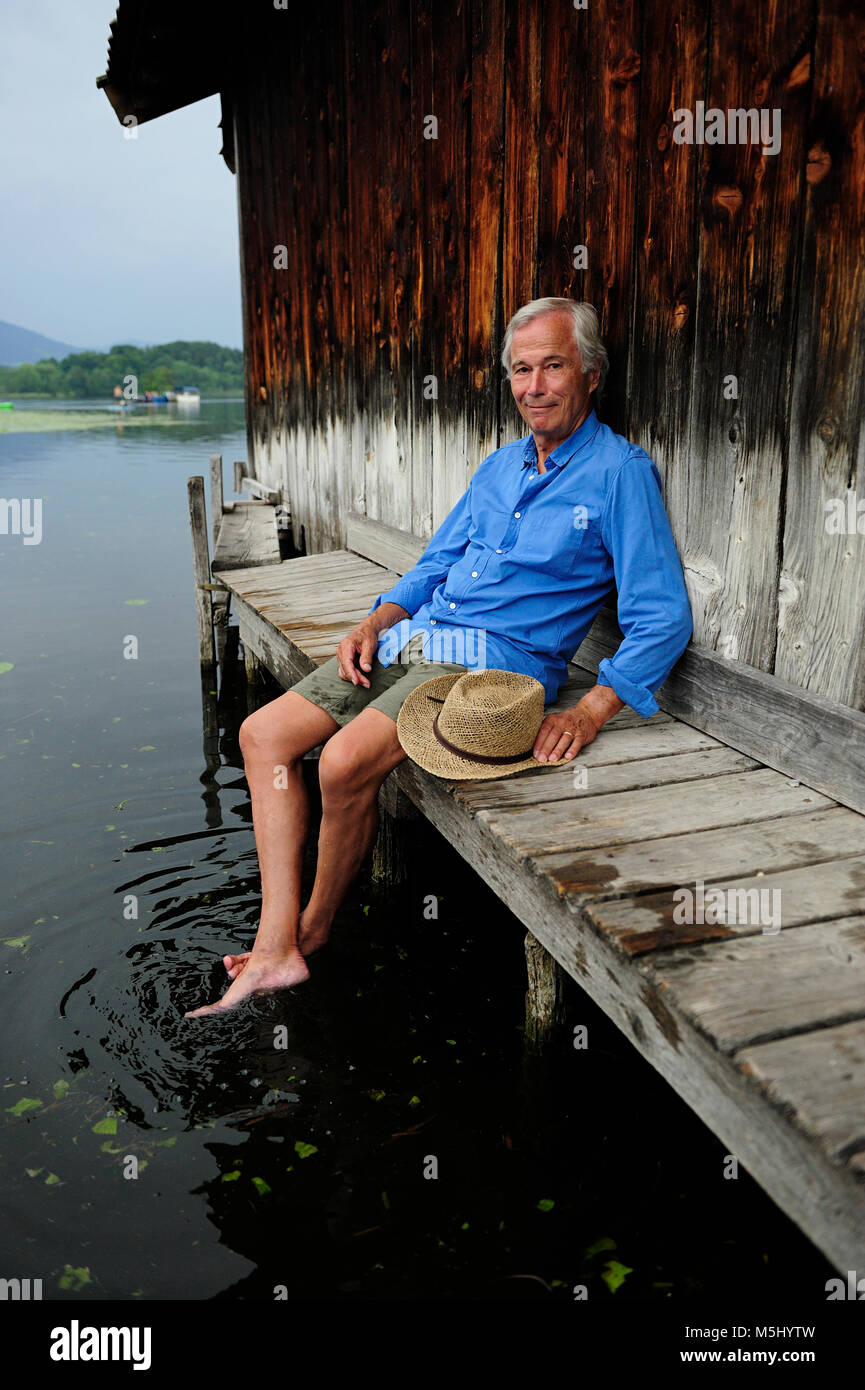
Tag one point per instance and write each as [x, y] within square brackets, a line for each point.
[433, 620]
[516, 513]
[498, 552]
[453, 605]
[474, 574]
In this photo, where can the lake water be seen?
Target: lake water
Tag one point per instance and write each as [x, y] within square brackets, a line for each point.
[129, 868]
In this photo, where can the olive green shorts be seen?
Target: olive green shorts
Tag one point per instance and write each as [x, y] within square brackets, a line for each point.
[388, 685]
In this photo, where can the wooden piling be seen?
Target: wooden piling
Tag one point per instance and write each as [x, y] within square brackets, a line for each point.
[201, 570]
[545, 994]
[220, 601]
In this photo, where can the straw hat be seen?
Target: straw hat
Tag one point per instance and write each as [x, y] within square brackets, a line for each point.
[478, 724]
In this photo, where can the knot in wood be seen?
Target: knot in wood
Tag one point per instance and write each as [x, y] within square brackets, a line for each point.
[727, 198]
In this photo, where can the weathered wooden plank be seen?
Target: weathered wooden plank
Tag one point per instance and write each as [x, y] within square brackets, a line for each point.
[812, 893]
[666, 237]
[441, 250]
[614, 62]
[777, 1149]
[285, 661]
[613, 871]
[520, 193]
[247, 537]
[216, 495]
[536, 790]
[386, 545]
[821, 618]
[310, 570]
[793, 730]
[725, 503]
[484, 211]
[201, 571]
[588, 822]
[561, 148]
[818, 1079]
[757, 988]
[610, 747]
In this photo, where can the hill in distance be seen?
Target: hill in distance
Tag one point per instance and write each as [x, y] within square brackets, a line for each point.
[19, 345]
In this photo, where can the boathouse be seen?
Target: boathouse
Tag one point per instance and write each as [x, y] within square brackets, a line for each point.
[409, 173]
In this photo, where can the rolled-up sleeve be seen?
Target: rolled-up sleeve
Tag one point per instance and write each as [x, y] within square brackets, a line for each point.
[447, 545]
[653, 609]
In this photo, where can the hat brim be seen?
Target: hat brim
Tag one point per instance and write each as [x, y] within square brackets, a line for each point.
[415, 733]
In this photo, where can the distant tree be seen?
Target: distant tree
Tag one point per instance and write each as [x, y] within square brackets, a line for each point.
[210, 366]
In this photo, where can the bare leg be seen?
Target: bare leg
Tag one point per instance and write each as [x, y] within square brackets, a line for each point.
[273, 741]
[352, 767]
[351, 770]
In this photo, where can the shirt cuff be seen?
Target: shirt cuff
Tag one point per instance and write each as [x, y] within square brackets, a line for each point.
[405, 594]
[637, 696]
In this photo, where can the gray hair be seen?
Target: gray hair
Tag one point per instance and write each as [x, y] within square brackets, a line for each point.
[587, 336]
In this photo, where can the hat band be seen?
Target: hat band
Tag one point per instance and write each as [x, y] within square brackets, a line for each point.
[475, 757]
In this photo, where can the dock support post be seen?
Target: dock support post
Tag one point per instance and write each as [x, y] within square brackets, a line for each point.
[201, 569]
[545, 995]
[217, 507]
[391, 852]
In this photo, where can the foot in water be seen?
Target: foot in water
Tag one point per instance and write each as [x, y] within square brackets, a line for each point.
[308, 939]
[261, 976]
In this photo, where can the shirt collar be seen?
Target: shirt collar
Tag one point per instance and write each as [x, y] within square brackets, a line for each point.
[565, 451]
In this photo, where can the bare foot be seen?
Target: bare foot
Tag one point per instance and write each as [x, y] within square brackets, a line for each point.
[309, 942]
[258, 977]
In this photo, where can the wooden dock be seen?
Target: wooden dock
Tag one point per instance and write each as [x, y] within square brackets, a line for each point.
[760, 1030]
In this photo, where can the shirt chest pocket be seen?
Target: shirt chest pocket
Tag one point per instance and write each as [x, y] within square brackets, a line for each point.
[560, 542]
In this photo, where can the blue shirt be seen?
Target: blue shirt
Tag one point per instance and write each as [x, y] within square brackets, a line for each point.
[513, 577]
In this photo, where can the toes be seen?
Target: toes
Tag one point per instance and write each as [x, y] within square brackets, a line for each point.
[205, 1009]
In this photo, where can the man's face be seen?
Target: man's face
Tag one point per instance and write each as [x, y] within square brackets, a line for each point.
[552, 393]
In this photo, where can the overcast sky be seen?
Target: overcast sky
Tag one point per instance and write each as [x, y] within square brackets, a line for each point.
[104, 239]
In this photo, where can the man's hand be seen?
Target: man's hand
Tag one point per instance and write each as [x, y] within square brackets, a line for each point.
[355, 652]
[562, 735]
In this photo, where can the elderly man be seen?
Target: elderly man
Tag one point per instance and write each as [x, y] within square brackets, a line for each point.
[511, 580]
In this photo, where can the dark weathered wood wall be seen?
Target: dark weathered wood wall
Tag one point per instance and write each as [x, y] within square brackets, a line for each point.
[407, 255]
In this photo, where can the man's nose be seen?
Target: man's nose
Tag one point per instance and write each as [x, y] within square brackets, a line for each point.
[536, 382]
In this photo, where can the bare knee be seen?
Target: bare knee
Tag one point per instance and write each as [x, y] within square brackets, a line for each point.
[343, 769]
[262, 739]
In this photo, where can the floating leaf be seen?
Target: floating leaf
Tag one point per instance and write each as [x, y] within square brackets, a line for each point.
[52, 1180]
[261, 1187]
[304, 1150]
[147, 748]
[22, 1106]
[33, 1172]
[605, 1243]
[136, 602]
[16, 941]
[6, 666]
[231, 1177]
[60, 1088]
[415, 1100]
[546, 1204]
[73, 1280]
[615, 1274]
[106, 1126]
